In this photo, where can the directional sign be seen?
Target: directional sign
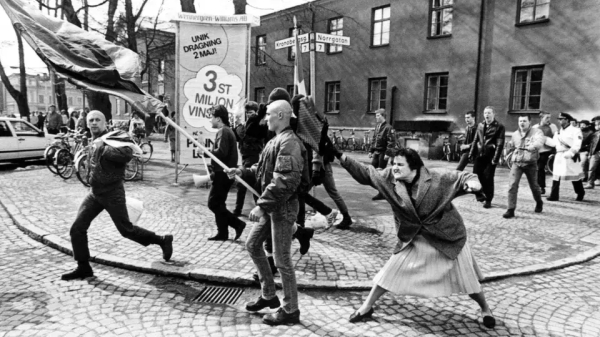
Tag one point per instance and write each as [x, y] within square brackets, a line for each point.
[333, 39]
[290, 41]
[320, 47]
[305, 48]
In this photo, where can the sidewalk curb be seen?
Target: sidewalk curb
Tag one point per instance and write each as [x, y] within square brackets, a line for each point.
[243, 279]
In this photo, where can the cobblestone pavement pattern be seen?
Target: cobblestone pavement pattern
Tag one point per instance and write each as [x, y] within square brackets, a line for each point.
[34, 302]
[336, 257]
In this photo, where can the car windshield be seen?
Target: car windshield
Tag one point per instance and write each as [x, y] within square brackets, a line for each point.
[23, 128]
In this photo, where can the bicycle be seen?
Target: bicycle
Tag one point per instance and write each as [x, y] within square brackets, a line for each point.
[350, 143]
[506, 158]
[132, 168]
[146, 146]
[447, 150]
[550, 163]
[366, 145]
[64, 159]
[334, 139]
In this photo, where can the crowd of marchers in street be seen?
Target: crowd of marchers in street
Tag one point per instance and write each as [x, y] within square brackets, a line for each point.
[432, 257]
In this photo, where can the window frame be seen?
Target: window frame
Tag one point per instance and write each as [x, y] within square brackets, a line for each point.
[288, 87]
[373, 10]
[256, 95]
[257, 55]
[430, 23]
[518, 22]
[436, 110]
[337, 102]
[512, 96]
[371, 80]
[331, 32]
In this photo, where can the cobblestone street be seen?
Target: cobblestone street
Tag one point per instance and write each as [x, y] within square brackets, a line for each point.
[128, 296]
[116, 302]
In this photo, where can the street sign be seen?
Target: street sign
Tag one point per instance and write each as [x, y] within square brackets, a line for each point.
[290, 41]
[320, 47]
[333, 39]
[305, 47]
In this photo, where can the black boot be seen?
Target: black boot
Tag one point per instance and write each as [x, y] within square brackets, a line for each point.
[578, 187]
[304, 235]
[82, 271]
[510, 213]
[166, 243]
[346, 222]
[554, 191]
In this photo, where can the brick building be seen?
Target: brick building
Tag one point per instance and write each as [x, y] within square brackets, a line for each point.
[427, 62]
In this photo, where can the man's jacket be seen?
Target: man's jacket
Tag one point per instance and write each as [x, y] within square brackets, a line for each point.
[489, 141]
[53, 120]
[470, 133]
[107, 166]
[522, 140]
[280, 172]
[594, 142]
[251, 136]
[383, 139]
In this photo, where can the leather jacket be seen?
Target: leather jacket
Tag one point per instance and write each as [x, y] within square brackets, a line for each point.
[107, 166]
[383, 139]
[281, 172]
[490, 143]
[594, 142]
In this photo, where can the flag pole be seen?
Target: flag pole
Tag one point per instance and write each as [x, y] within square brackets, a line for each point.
[212, 156]
[297, 54]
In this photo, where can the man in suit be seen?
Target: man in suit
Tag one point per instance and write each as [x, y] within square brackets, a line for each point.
[594, 154]
[468, 140]
[486, 149]
[381, 143]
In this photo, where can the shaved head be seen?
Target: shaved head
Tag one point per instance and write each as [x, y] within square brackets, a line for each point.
[278, 115]
[96, 121]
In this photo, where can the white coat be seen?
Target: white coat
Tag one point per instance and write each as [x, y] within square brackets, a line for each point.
[567, 143]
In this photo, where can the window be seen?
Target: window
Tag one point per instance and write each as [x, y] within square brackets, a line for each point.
[24, 129]
[377, 94]
[532, 11]
[436, 92]
[332, 94]
[290, 90]
[259, 95]
[4, 130]
[527, 88]
[41, 99]
[79, 100]
[440, 17]
[335, 27]
[261, 49]
[381, 26]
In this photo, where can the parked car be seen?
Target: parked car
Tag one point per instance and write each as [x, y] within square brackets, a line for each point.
[20, 140]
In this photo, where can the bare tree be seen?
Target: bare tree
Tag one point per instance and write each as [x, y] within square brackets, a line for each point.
[188, 6]
[239, 6]
[20, 96]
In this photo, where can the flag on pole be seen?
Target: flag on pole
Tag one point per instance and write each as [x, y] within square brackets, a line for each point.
[298, 70]
[309, 126]
[84, 58]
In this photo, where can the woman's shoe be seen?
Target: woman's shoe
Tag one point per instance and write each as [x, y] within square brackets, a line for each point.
[489, 322]
[357, 317]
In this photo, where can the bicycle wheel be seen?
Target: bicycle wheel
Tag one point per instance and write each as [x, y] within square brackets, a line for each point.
[351, 145]
[550, 164]
[64, 163]
[147, 150]
[49, 154]
[508, 160]
[82, 169]
[131, 169]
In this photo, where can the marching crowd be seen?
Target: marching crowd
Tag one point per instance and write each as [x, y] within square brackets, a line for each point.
[574, 146]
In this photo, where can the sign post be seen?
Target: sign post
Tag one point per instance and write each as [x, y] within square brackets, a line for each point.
[312, 42]
[211, 67]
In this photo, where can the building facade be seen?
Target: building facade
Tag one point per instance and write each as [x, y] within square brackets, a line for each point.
[39, 94]
[428, 62]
